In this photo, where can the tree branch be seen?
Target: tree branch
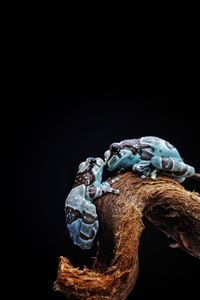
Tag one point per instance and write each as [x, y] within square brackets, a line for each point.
[164, 202]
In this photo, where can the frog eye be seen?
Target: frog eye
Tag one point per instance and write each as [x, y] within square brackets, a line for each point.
[115, 148]
[92, 160]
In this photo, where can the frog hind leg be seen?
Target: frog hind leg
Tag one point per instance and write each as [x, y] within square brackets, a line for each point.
[173, 167]
[82, 224]
[89, 226]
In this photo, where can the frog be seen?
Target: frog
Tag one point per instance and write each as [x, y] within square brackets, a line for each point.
[80, 211]
[148, 156]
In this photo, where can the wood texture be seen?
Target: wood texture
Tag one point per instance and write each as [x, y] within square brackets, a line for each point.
[164, 202]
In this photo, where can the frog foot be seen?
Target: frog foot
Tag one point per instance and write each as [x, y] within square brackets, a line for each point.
[145, 173]
[112, 180]
[149, 172]
[107, 185]
[154, 174]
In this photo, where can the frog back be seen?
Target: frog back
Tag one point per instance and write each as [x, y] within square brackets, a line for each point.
[76, 196]
[159, 147]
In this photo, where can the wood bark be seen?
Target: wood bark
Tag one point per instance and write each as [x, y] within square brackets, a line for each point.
[165, 202]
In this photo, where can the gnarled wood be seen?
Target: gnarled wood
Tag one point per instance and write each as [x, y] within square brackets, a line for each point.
[164, 202]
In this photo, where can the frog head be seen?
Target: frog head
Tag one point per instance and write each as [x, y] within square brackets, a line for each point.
[91, 169]
[119, 157]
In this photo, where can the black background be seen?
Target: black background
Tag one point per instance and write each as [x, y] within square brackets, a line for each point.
[46, 137]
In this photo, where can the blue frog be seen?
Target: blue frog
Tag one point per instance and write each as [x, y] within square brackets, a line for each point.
[148, 156]
[80, 213]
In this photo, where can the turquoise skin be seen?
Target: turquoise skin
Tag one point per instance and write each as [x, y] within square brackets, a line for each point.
[80, 213]
[148, 156]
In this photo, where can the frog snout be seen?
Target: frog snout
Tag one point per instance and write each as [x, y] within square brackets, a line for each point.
[107, 156]
[110, 159]
[100, 162]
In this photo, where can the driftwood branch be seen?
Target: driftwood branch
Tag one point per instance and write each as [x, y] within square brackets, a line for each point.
[164, 202]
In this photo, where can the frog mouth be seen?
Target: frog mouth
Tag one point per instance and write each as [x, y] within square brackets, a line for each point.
[111, 159]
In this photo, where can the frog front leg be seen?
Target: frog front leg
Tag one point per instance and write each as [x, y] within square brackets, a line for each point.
[173, 167]
[97, 190]
[143, 168]
[106, 186]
